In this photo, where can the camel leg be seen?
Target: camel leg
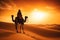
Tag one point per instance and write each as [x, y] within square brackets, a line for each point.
[22, 27]
[16, 27]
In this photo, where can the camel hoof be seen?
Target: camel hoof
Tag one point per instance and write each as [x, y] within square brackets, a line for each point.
[17, 31]
[23, 32]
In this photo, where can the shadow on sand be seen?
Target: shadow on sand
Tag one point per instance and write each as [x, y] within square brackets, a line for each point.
[38, 31]
[7, 26]
[43, 32]
[5, 34]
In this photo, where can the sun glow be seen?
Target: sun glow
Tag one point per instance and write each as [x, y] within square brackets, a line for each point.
[38, 16]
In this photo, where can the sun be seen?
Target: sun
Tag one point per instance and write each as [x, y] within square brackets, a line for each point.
[37, 16]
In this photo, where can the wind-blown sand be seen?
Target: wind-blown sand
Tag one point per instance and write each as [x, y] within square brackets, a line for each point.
[32, 32]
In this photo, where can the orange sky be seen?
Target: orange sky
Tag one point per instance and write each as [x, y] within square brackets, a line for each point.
[50, 7]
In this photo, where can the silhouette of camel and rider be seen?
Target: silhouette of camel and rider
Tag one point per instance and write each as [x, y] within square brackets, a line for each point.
[19, 19]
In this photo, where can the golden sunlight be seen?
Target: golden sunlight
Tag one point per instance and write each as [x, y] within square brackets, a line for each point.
[37, 16]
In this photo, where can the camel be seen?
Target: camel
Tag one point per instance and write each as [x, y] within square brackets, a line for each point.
[19, 19]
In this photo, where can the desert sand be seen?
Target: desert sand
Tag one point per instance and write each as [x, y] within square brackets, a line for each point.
[32, 32]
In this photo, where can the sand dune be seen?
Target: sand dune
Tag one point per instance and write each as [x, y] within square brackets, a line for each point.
[9, 35]
[32, 32]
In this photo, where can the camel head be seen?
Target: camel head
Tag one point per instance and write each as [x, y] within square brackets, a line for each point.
[26, 18]
[12, 17]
